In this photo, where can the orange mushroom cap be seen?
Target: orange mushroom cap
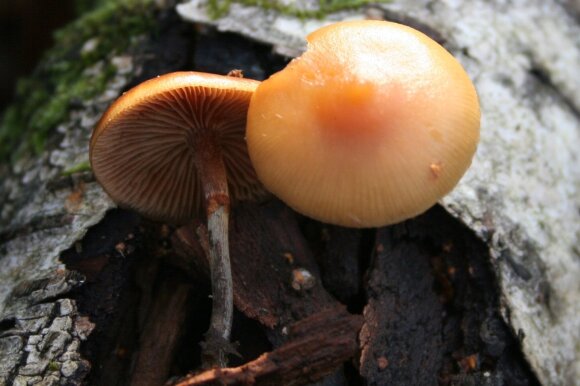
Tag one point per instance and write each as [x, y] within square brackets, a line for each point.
[370, 126]
[142, 149]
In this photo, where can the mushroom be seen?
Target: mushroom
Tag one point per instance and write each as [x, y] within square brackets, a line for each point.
[370, 126]
[173, 149]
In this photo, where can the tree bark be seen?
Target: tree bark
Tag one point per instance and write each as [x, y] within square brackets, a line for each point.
[481, 290]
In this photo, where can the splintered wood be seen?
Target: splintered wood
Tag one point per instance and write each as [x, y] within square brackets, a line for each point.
[317, 345]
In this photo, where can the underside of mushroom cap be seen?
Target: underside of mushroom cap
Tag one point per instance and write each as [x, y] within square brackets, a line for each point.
[142, 150]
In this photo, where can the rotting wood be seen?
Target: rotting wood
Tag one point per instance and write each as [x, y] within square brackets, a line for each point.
[338, 253]
[35, 230]
[276, 278]
[267, 248]
[163, 329]
[317, 345]
[401, 338]
[108, 256]
[432, 315]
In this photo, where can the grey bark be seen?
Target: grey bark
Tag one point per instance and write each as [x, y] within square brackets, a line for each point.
[45, 212]
[521, 196]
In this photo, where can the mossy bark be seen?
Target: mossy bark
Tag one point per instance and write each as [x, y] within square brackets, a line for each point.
[78, 279]
[48, 197]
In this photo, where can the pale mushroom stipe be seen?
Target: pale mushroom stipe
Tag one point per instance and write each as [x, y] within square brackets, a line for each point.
[173, 149]
[372, 125]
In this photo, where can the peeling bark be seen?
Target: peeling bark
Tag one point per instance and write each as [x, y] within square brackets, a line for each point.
[75, 306]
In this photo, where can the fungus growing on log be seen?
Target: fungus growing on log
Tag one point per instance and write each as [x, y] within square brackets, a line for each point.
[372, 125]
[173, 149]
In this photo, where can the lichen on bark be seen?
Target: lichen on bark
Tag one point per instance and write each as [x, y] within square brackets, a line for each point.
[48, 201]
[521, 196]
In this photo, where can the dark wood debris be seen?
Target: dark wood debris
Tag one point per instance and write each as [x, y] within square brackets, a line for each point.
[428, 301]
[316, 346]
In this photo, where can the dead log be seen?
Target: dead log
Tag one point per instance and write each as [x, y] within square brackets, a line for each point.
[491, 294]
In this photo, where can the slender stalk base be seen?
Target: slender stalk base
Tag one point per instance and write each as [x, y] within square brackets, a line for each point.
[217, 346]
[214, 182]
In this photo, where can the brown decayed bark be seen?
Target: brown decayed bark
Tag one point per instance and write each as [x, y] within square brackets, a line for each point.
[163, 328]
[317, 345]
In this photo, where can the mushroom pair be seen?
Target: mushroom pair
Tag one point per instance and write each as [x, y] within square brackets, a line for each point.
[370, 126]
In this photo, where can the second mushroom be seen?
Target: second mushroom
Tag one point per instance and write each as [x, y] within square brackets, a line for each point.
[173, 149]
[371, 126]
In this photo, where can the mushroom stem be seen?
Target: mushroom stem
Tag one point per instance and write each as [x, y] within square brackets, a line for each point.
[218, 335]
[214, 183]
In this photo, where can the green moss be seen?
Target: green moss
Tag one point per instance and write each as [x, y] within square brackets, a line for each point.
[84, 6]
[61, 79]
[78, 168]
[219, 8]
[53, 366]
